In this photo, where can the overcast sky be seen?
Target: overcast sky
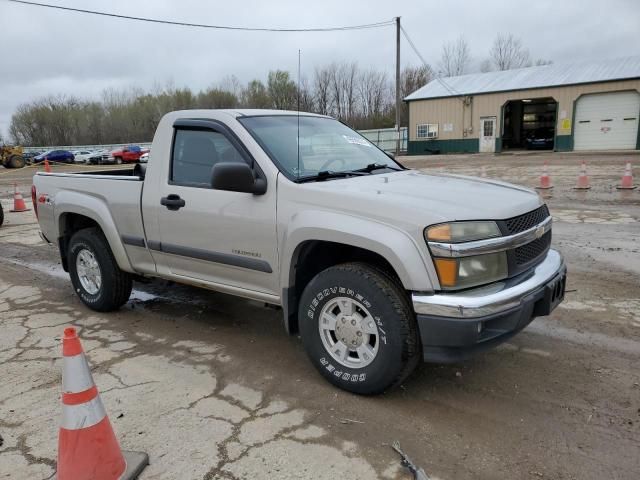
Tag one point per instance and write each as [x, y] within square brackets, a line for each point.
[44, 51]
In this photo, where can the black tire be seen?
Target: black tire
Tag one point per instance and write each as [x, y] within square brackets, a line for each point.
[398, 348]
[1, 215]
[116, 284]
[16, 161]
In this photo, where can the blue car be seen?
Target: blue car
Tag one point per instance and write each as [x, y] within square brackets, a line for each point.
[60, 156]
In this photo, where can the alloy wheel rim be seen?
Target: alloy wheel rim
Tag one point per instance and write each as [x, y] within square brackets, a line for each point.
[88, 271]
[349, 332]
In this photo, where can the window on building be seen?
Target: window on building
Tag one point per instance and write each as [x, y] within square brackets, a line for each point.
[427, 130]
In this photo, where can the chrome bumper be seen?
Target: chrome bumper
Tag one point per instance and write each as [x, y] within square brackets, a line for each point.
[491, 299]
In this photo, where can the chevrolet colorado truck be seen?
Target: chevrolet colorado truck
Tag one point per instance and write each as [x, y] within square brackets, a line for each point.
[375, 266]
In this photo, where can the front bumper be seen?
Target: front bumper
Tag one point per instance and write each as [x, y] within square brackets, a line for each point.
[454, 326]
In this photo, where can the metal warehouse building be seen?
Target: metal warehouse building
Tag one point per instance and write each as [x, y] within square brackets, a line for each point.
[582, 106]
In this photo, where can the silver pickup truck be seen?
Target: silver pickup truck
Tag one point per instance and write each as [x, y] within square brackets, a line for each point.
[374, 265]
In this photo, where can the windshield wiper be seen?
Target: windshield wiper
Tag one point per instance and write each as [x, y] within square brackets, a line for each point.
[375, 166]
[326, 174]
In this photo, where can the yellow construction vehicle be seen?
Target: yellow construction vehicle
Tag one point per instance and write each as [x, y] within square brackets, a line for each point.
[11, 156]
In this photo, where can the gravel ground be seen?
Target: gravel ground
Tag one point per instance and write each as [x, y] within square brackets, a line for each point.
[211, 387]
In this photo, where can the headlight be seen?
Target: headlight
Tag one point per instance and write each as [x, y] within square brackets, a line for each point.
[465, 272]
[469, 271]
[458, 232]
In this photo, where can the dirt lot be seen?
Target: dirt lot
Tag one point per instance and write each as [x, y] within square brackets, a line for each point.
[211, 387]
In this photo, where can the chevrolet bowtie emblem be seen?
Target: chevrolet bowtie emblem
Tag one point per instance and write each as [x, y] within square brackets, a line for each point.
[539, 232]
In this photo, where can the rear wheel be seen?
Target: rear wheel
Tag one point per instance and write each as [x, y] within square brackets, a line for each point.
[95, 274]
[1, 215]
[358, 328]
[15, 161]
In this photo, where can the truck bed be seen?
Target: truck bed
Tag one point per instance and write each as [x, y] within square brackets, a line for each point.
[110, 197]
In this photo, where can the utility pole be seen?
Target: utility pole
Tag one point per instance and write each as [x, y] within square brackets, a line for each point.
[397, 86]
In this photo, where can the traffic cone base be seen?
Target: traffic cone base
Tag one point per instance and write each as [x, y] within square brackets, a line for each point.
[18, 202]
[87, 445]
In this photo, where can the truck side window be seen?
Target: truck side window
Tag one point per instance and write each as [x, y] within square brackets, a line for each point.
[195, 152]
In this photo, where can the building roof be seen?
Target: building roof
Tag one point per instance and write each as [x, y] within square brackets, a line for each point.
[554, 75]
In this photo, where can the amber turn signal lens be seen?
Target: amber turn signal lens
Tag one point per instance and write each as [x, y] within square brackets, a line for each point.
[440, 233]
[447, 271]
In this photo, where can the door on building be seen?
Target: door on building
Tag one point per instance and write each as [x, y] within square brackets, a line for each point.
[607, 121]
[488, 134]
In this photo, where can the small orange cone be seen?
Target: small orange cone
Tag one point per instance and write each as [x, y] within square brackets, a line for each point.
[627, 179]
[47, 167]
[583, 178]
[545, 179]
[18, 201]
[87, 447]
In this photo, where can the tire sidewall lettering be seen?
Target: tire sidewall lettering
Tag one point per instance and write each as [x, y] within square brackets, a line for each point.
[80, 291]
[346, 374]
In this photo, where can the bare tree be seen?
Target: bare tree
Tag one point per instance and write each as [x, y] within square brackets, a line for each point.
[455, 58]
[411, 79]
[305, 96]
[508, 53]
[322, 87]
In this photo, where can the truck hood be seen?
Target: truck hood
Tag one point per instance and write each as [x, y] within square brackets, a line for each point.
[413, 196]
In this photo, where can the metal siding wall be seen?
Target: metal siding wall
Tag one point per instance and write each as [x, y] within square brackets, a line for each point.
[449, 110]
[440, 111]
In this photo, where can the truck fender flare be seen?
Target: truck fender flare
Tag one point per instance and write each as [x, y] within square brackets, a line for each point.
[97, 210]
[414, 270]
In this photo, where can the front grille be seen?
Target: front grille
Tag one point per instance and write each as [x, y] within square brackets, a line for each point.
[525, 222]
[532, 251]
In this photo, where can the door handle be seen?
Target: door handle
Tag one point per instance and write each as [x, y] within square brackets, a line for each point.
[172, 202]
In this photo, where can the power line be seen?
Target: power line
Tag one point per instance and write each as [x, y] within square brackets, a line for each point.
[202, 25]
[449, 88]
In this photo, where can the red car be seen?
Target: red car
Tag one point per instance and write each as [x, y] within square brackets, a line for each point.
[128, 154]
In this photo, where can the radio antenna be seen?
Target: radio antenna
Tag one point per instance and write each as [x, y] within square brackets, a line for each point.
[298, 142]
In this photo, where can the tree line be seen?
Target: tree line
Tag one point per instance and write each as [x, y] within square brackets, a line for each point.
[361, 97]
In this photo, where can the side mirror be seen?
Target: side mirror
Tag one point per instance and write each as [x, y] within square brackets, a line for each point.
[236, 177]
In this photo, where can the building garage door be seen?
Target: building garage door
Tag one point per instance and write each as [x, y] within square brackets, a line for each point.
[607, 121]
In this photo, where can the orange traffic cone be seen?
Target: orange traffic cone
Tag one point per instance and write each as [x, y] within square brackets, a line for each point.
[47, 167]
[545, 179]
[583, 178]
[627, 179]
[87, 447]
[18, 201]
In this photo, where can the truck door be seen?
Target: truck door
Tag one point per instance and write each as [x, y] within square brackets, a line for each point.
[219, 237]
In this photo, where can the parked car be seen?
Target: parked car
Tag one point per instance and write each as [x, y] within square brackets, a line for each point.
[100, 157]
[82, 156]
[59, 156]
[144, 158]
[128, 154]
[376, 266]
[29, 156]
[540, 139]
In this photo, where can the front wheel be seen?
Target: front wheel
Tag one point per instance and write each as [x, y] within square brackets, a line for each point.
[358, 328]
[118, 160]
[95, 274]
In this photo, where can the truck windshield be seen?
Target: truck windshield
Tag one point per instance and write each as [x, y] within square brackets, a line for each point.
[325, 146]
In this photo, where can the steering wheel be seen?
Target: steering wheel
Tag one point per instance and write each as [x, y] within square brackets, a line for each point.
[330, 161]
